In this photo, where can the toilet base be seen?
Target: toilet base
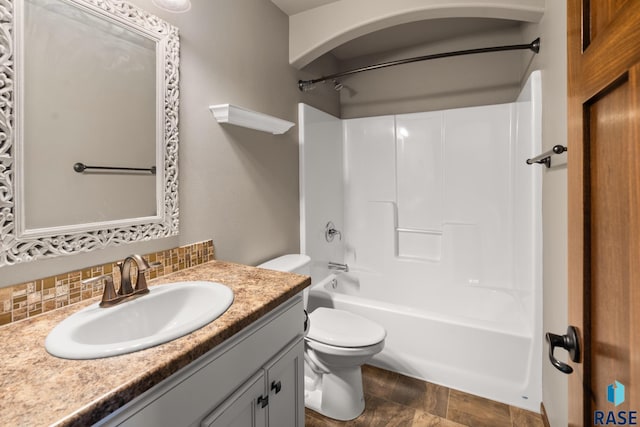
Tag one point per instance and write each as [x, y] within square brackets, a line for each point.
[336, 395]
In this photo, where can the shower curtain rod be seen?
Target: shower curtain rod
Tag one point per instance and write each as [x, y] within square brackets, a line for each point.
[305, 85]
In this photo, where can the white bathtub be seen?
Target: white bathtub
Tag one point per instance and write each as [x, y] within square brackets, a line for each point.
[472, 339]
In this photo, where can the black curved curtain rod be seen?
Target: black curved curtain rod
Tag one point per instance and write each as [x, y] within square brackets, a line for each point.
[534, 46]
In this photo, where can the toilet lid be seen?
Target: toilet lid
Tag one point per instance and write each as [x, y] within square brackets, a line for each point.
[343, 329]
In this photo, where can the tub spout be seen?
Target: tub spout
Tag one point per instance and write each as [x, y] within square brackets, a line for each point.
[338, 266]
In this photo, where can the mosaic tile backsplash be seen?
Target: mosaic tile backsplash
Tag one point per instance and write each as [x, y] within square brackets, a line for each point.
[29, 299]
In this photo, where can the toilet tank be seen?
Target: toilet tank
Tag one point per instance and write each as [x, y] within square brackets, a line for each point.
[292, 263]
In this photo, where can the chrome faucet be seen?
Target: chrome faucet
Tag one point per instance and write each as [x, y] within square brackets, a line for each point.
[110, 297]
[338, 266]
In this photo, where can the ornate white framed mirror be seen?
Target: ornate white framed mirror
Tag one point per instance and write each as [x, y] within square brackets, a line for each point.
[88, 127]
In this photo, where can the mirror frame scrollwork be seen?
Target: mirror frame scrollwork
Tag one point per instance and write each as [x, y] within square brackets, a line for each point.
[16, 248]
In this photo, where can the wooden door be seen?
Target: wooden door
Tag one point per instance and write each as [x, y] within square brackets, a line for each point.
[604, 202]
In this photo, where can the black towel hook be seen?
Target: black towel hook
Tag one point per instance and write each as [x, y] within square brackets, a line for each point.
[569, 342]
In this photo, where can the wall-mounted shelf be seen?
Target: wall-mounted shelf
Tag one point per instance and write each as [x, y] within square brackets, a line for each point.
[238, 116]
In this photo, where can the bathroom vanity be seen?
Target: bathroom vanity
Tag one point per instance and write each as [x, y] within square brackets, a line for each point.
[254, 379]
[244, 368]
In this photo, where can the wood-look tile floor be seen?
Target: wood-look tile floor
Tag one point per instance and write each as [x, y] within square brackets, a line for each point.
[394, 400]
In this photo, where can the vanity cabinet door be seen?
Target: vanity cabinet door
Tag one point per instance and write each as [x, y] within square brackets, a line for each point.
[244, 408]
[285, 383]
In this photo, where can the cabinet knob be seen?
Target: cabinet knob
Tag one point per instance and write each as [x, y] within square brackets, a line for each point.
[263, 401]
[277, 386]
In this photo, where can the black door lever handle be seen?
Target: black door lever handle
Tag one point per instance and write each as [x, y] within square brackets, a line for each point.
[569, 342]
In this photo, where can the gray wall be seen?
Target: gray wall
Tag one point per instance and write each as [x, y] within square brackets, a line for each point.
[464, 81]
[552, 60]
[238, 187]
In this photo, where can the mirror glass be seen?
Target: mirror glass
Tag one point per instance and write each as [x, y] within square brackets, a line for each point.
[96, 105]
[91, 84]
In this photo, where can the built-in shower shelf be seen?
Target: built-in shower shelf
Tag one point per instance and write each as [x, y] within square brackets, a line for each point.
[238, 116]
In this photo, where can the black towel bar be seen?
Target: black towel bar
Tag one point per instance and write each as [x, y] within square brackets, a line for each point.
[81, 167]
[545, 158]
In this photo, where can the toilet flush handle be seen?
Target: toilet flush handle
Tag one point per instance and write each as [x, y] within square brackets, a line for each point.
[306, 322]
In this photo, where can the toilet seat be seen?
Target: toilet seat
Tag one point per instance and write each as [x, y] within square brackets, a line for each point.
[339, 328]
[340, 351]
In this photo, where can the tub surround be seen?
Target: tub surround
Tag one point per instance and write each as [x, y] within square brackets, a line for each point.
[442, 205]
[40, 389]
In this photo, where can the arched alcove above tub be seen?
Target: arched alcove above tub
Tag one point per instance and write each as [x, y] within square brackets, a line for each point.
[326, 25]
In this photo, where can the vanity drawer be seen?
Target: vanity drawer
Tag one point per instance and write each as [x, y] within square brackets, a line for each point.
[187, 396]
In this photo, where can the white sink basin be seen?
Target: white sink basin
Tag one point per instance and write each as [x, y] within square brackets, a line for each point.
[164, 314]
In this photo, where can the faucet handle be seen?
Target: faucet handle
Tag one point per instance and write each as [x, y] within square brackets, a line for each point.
[330, 232]
[109, 295]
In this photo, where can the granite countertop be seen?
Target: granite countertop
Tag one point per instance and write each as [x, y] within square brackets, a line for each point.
[37, 389]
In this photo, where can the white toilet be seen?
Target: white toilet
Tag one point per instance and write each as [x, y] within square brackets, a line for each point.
[337, 344]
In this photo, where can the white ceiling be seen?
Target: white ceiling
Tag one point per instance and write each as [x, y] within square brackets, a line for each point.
[291, 7]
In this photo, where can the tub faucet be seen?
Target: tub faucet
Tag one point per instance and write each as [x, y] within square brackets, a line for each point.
[338, 266]
[330, 232]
